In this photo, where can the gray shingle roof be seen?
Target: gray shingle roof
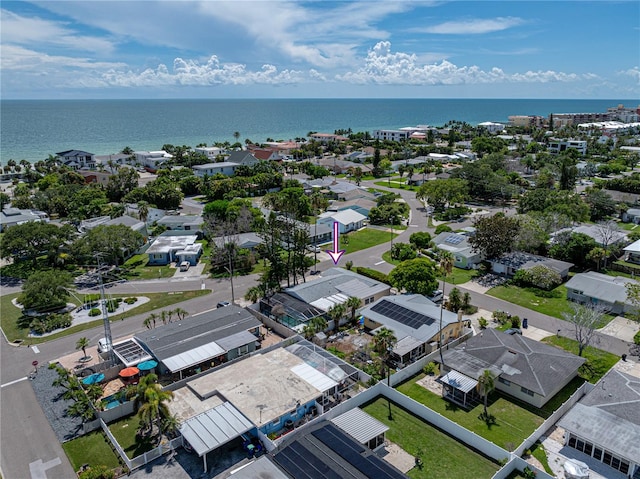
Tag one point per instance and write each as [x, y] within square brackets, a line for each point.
[609, 415]
[536, 366]
[330, 284]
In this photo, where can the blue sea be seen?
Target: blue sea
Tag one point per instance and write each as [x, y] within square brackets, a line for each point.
[34, 129]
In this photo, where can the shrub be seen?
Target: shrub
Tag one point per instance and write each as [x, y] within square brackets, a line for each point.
[130, 300]
[539, 276]
[349, 265]
[403, 252]
[431, 369]
[500, 317]
[420, 239]
[94, 312]
[515, 322]
[442, 228]
[636, 338]
[91, 298]
[483, 323]
[97, 472]
[373, 274]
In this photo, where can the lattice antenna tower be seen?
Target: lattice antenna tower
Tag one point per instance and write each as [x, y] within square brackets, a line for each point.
[105, 314]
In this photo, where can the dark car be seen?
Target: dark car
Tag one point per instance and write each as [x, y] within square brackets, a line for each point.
[513, 331]
[223, 304]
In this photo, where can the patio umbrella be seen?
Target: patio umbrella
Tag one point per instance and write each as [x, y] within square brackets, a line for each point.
[93, 379]
[128, 372]
[147, 365]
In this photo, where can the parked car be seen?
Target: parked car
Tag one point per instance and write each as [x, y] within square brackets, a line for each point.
[512, 331]
[436, 296]
[314, 248]
[223, 304]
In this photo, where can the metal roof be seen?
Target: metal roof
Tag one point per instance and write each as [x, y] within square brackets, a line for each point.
[314, 377]
[236, 340]
[459, 381]
[328, 302]
[359, 425]
[192, 357]
[209, 430]
[130, 352]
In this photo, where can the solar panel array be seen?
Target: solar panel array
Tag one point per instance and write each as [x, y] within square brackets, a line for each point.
[403, 315]
[301, 463]
[349, 450]
[130, 351]
[454, 239]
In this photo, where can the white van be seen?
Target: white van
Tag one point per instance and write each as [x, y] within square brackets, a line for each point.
[184, 266]
[103, 346]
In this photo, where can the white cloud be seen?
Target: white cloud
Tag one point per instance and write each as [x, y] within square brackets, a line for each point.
[194, 73]
[19, 30]
[22, 59]
[632, 72]
[474, 26]
[382, 66]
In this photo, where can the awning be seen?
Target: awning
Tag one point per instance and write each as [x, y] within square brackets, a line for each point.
[93, 379]
[215, 427]
[459, 381]
[359, 425]
[314, 377]
[236, 340]
[193, 356]
[128, 372]
[147, 365]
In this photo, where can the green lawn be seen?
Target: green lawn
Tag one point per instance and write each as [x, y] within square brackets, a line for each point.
[365, 238]
[540, 454]
[396, 183]
[137, 268]
[459, 276]
[598, 361]
[513, 423]
[527, 298]
[124, 431]
[11, 314]
[93, 449]
[442, 456]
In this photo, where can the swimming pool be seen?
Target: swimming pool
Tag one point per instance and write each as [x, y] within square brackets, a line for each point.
[114, 400]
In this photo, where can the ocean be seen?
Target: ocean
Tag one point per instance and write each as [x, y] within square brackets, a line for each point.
[34, 129]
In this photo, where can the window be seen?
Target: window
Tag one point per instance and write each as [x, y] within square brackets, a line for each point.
[527, 391]
[243, 349]
[504, 381]
[597, 453]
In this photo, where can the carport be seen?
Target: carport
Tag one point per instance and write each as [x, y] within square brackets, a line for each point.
[213, 428]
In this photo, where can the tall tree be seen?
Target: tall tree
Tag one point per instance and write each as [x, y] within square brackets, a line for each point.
[83, 343]
[608, 232]
[150, 400]
[45, 290]
[415, 276]
[585, 320]
[486, 384]
[495, 235]
[352, 305]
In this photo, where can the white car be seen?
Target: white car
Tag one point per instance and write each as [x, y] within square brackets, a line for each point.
[314, 249]
[103, 345]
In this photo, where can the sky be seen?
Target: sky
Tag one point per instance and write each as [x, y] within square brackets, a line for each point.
[321, 49]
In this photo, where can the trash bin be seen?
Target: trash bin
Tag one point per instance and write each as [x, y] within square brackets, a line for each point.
[525, 323]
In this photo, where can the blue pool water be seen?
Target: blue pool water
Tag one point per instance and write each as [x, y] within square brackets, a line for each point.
[114, 400]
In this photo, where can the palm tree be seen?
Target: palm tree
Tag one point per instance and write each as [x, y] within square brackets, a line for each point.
[253, 294]
[353, 304]
[147, 322]
[486, 384]
[317, 324]
[143, 211]
[236, 135]
[83, 343]
[181, 313]
[384, 341]
[446, 266]
[149, 399]
[337, 312]
[163, 317]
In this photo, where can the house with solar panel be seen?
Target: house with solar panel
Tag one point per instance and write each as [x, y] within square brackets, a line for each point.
[525, 369]
[266, 394]
[415, 322]
[458, 245]
[303, 302]
[202, 341]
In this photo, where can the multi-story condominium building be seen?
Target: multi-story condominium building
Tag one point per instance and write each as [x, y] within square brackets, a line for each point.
[558, 146]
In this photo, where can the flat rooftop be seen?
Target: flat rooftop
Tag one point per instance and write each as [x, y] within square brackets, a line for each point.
[263, 387]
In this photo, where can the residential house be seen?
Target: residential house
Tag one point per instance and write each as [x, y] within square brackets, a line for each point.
[601, 290]
[243, 240]
[336, 286]
[226, 168]
[492, 127]
[182, 223]
[77, 159]
[356, 193]
[392, 135]
[185, 347]
[415, 322]
[211, 152]
[605, 425]
[358, 157]
[632, 252]
[361, 205]
[558, 146]
[509, 263]
[242, 157]
[152, 160]
[348, 220]
[526, 369]
[266, 154]
[94, 176]
[326, 138]
[600, 235]
[632, 215]
[458, 245]
[15, 216]
[134, 223]
[174, 246]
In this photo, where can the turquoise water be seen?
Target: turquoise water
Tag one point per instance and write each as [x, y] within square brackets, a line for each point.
[34, 129]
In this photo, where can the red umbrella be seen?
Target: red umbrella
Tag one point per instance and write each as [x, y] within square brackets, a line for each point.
[128, 372]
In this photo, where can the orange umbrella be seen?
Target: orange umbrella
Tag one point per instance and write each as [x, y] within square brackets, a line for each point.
[128, 372]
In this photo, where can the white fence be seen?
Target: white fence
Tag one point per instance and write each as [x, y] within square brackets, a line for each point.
[139, 461]
[555, 417]
[518, 464]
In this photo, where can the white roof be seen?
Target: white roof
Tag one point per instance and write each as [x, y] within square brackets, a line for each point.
[193, 357]
[633, 247]
[459, 381]
[347, 216]
[314, 377]
[359, 425]
[215, 427]
[327, 302]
